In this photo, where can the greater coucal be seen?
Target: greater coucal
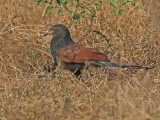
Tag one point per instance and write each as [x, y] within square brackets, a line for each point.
[73, 55]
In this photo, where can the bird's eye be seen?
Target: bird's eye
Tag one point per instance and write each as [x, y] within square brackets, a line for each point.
[55, 29]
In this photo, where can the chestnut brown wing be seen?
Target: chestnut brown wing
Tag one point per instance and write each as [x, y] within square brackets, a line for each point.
[80, 54]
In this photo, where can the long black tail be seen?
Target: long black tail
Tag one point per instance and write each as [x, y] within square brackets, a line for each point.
[116, 64]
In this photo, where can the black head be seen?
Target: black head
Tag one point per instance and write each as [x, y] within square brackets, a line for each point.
[58, 30]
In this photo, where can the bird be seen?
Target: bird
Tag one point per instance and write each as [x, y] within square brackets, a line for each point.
[74, 56]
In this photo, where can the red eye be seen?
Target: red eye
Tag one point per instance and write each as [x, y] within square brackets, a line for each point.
[54, 29]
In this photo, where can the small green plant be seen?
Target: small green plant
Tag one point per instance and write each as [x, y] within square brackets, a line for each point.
[119, 5]
[85, 9]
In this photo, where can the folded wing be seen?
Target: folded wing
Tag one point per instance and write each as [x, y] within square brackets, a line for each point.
[80, 54]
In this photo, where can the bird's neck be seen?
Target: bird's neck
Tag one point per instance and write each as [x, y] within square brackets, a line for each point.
[61, 42]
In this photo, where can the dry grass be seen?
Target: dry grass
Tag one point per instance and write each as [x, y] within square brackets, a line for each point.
[106, 93]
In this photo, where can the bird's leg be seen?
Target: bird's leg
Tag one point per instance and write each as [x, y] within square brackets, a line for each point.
[77, 73]
[55, 63]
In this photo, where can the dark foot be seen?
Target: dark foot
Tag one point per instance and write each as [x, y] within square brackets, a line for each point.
[54, 67]
[77, 73]
[47, 68]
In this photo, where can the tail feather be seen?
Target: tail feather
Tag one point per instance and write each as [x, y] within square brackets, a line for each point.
[116, 64]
